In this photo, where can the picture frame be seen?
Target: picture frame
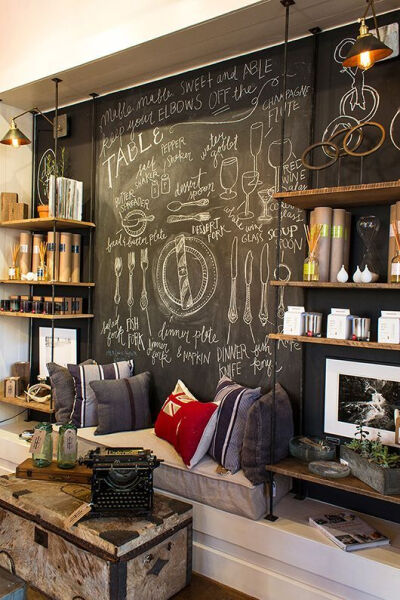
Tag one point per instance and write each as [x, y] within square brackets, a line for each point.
[65, 347]
[364, 391]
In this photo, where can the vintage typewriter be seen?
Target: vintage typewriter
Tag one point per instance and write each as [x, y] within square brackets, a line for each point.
[122, 482]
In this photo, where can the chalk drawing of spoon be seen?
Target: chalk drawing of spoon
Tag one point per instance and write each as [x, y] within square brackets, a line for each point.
[283, 273]
[176, 205]
[248, 277]
[118, 272]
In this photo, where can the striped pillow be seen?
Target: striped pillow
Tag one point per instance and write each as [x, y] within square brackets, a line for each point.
[84, 411]
[234, 403]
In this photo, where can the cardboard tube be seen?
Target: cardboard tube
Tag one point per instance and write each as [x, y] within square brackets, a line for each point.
[347, 240]
[337, 242]
[392, 241]
[37, 239]
[25, 252]
[76, 258]
[65, 256]
[53, 255]
[323, 216]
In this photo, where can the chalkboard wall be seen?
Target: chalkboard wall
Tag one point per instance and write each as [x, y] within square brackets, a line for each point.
[181, 259]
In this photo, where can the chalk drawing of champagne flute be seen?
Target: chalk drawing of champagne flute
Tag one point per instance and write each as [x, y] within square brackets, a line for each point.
[256, 138]
[274, 157]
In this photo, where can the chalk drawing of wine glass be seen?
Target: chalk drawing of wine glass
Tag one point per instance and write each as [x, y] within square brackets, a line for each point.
[395, 130]
[274, 157]
[265, 197]
[228, 177]
[256, 138]
[249, 184]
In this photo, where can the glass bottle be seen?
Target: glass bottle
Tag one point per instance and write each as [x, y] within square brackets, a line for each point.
[395, 268]
[44, 456]
[67, 451]
[311, 268]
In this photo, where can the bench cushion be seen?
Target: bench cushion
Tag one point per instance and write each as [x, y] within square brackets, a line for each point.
[231, 493]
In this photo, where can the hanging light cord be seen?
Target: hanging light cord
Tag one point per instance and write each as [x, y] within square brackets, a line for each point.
[371, 6]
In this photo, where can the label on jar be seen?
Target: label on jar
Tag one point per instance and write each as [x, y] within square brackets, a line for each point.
[69, 441]
[309, 268]
[395, 268]
[37, 441]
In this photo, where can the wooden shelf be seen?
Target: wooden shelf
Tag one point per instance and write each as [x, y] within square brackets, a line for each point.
[6, 313]
[46, 224]
[333, 342]
[48, 283]
[386, 192]
[328, 284]
[299, 470]
[19, 401]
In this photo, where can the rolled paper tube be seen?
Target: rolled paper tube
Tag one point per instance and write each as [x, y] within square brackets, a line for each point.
[25, 252]
[392, 242]
[53, 255]
[76, 258]
[337, 243]
[65, 256]
[37, 239]
[323, 217]
[347, 240]
[183, 277]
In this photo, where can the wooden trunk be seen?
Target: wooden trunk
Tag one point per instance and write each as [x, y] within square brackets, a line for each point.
[97, 559]
[385, 481]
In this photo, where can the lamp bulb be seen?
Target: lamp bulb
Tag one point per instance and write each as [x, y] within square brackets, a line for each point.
[15, 143]
[365, 60]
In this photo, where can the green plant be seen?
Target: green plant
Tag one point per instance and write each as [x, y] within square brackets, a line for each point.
[52, 167]
[373, 450]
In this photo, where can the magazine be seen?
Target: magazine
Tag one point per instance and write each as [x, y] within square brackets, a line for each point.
[348, 531]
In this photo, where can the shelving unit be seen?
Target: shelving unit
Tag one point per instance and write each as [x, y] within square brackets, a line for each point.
[334, 342]
[47, 283]
[43, 407]
[38, 224]
[23, 315]
[384, 193]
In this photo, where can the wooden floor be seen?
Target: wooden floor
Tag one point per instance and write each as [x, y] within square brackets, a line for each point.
[201, 588]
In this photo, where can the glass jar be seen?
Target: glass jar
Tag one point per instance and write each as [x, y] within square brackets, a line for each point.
[395, 268]
[42, 273]
[44, 456]
[67, 451]
[311, 268]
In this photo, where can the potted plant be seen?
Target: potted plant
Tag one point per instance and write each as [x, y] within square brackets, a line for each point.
[48, 168]
[375, 464]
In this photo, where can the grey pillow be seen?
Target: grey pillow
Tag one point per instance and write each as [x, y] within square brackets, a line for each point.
[63, 390]
[256, 449]
[122, 404]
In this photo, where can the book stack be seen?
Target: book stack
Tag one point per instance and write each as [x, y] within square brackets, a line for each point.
[348, 531]
[333, 249]
[65, 198]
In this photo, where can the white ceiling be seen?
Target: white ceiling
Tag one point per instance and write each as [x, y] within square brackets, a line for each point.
[250, 28]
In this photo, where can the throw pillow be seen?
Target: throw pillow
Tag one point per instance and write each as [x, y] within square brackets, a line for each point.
[187, 424]
[234, 403]
[84, 412]
[122, 404]
[256, 450]
[63, 390]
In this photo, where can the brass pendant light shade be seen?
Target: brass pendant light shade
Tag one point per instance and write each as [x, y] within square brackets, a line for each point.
[14, 137]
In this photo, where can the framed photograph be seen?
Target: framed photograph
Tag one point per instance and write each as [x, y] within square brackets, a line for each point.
[361, 391]
[65, 347]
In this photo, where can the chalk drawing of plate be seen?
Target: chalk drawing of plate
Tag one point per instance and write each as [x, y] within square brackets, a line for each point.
[186, 275]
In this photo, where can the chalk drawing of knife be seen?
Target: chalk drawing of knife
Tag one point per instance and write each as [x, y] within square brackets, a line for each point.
[232, 311]
[264, 277]
[204, 216]
[146, 219]
[248, 277]
[183, 276]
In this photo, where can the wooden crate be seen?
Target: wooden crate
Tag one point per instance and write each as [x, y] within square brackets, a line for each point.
[102, 559]
[27, 470]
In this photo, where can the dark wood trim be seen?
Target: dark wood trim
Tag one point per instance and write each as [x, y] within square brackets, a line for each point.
[118, 573]
[189, 554]
[155, 541]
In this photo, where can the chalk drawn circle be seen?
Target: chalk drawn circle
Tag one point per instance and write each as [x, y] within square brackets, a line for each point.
[395, 130]
[202, 272]
[350, 103]
[337, 124]
[134, 222]
[42, 178]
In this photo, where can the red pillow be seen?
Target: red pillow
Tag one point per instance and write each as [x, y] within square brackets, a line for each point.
[186, 424]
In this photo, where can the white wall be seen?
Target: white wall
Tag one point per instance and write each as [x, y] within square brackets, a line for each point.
[41, 37]
[15, 176]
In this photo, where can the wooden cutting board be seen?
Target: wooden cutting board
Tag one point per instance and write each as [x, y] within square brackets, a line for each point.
[79, 474]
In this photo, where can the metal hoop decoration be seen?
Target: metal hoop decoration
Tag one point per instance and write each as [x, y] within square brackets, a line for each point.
[342, 152]
[320, 145]
[355, 128]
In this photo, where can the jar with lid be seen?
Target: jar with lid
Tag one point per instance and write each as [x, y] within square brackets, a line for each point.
[67, 450]
[44, 455]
